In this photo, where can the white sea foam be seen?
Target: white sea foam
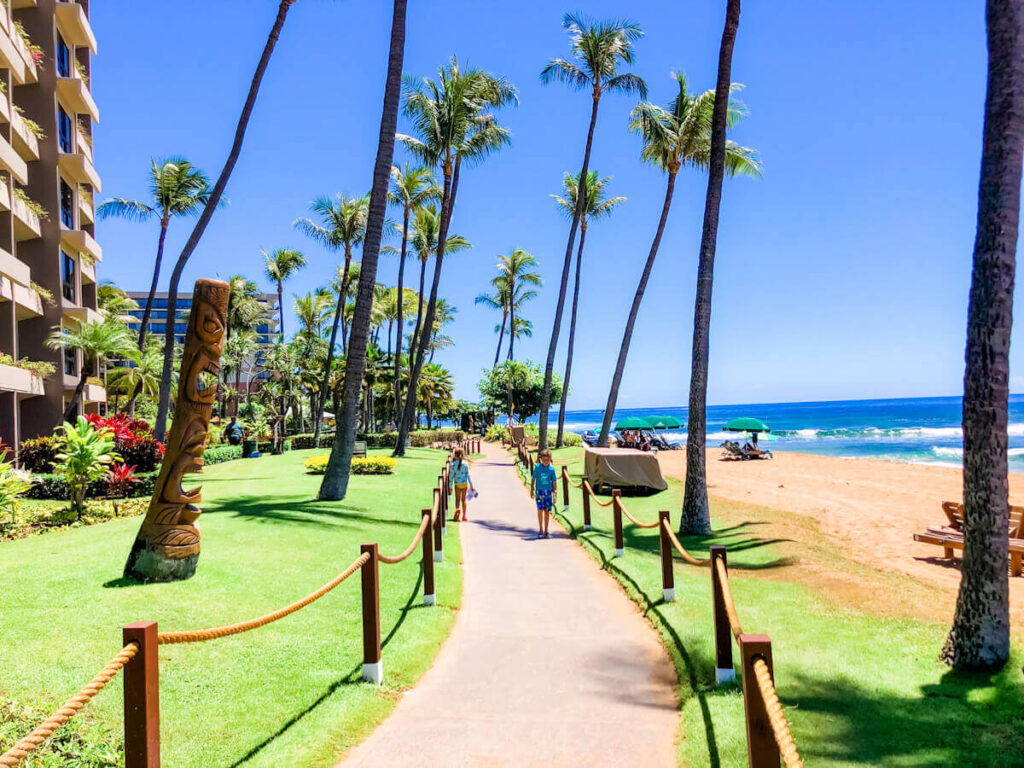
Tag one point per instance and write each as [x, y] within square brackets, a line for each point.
[940, 450]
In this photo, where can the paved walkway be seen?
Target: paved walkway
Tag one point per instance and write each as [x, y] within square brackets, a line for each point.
[549, 663]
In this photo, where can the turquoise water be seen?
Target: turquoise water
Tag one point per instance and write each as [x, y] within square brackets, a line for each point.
[921, 430]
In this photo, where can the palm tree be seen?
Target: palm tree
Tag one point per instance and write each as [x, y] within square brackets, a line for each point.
[238, 350]
[177, 189]
[435, 391]
[499, 301]
[696, 516]
[204, 218]
[335, 482]
[410, 189]
[980, 635]
[140, 379]
[599, 49]
[312, 311]
[595, 206]
[515, 272]
[98, 341]
[453, 126]
[343, 226]
[282, 264]
[673, 137]
[438, 340]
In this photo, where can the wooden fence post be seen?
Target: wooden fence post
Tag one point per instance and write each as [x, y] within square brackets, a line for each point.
[565, 489]
[373, 667]
[142, 697]
[429, 597]
[668, 583]
[762, 751]
[620, 547]
[586, 505]
[724, 671]
[438, 526]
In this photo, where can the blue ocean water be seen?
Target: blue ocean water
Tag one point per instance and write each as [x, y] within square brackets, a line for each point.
[920, 430]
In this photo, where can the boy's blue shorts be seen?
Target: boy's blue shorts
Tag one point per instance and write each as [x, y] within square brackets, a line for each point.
[544, 501]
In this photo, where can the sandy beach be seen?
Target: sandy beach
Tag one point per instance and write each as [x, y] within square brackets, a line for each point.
[868, 508]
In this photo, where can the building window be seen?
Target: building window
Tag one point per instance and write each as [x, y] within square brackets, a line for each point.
[70, 362]
[63, 58]
[67, 205]
[64, 129]
[68, 277]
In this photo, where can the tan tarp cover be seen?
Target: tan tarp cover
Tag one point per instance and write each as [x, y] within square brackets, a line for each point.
[518, 435]
[623, 467]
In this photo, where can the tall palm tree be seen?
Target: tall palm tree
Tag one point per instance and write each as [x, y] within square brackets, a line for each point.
[98, 341]
[980, 635]
[204, 218]
[595, 206]
[453, 126]
[177, 189]
[438, 339]
[696, 516]
[238, 350]
[410, 189]
[343, 226]
[498, 301]
[676, 136]
[335, 482]
[598, 49]
[312, 311]
[140, 379]
[516, 272]
[281, 265]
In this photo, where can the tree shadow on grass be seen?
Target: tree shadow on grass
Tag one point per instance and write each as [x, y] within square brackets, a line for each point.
[352, 677]
[306, 512]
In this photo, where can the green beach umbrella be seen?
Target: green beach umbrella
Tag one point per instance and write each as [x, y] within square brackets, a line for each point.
[664, 422]
[633, 422]
[746, 424]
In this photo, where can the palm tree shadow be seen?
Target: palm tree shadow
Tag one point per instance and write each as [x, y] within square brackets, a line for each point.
[352, 677]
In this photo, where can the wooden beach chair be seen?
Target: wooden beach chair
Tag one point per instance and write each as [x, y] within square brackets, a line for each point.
[951, 537]
[359, 449]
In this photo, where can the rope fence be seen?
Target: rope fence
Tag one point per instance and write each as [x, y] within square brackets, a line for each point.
[140, 662]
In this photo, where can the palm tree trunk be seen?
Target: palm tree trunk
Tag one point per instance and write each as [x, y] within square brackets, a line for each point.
[696, 516]
[280, 308]
[338, 312]
[335, 482]
[147, 311]
[159, 429]
[549, 366]
[344, 300]
[980, 636]
[501, 337]
[79, 389]
[511, 320]
[572, 337]
[398, 341]
[627, 335]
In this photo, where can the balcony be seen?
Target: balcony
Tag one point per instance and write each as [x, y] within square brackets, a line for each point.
[82, 314]
[85, 209]
[94, 393]
[27, 302]
[79, 240]
[74, 93]
[14, 379]
[25, 142]
[83, 143]
[26, 222]
[74, 24]
[12, 162]
[14, 268]
[5, 197]
[17, 5]
[12, 55]
[78, 168]
[88, 270]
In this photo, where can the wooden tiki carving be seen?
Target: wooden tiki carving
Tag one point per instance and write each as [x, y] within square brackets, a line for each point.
[167, 546]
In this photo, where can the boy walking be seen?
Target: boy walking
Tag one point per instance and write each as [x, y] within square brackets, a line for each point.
[544, 489]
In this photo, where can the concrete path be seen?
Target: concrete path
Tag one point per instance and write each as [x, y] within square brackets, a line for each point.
[549, 663]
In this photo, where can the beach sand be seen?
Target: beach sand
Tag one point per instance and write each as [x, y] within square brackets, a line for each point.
[869, 509]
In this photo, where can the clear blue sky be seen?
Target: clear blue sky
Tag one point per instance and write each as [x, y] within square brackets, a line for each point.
[842, 274]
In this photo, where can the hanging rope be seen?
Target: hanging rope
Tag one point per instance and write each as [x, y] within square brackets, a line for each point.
[681, 550]
[780, 727]
[412, 547]
[590, 490]
[636, 522]
[727, 599]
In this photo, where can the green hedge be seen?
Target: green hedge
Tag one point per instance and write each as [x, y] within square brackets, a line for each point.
[50, 486]
[221, 453]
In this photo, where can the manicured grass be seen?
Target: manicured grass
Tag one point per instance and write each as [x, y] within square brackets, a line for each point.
[286, 694]
[858, 689]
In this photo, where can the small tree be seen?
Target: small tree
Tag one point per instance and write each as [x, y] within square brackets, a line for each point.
[85, 455]
[517, 386]
[12, 487]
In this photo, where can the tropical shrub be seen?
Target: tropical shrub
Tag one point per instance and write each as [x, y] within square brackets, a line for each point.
[305, 440]
[374, 465]
[144, 453]
[50, 486]
[572, 439]
[39, 455]
[120, 425]
[120, 479]
[424, 438]
[221, 453]
[84, 456]
[379, 439]
[12, 488]
[317, 465]
[495, 433]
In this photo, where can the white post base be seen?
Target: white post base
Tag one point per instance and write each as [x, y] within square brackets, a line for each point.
[724, 675]
[438, 555]
[444, 530]
[373, 673]
[588, 527]
[430, 599]
[620, 552]
[669, 594]
[565, 508]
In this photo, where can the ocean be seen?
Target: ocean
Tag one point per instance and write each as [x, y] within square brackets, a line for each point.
[921, 430]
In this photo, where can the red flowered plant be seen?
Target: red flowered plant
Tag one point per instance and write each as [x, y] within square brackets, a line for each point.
[121, 425]
[133, 440]
[119, 479]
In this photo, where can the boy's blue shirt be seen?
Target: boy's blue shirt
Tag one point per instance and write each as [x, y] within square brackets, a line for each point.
[545, 477]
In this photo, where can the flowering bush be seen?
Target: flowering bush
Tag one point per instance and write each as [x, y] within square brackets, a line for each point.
[39, 455]
[133, 440]
[119, 479]
[317, 465]
[120, 425]
[371, 465]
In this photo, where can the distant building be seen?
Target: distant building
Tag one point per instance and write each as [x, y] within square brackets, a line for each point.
[48, 251]
[266, 333]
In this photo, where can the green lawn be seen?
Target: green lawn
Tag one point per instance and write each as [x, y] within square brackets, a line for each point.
[286, 694]
[858, 689]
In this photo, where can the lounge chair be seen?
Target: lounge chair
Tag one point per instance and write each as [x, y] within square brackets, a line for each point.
[590, 438]
[732, 450]
[951, 537]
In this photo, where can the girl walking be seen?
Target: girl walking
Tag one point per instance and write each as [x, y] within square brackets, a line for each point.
[460, 480]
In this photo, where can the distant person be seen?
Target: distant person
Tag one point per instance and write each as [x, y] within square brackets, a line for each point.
[390, 427]
[754, 439]
[544, 489]
[234, 432]
[460, 480]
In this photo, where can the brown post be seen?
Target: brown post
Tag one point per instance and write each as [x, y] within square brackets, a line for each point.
[373, 667]
[428, 564]
[439, 526]
[586, 506]
[724, 671]
[443, 490]
[620, 547]
[762, 751]
[668, 583]
[142, 698]
[565, 489]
